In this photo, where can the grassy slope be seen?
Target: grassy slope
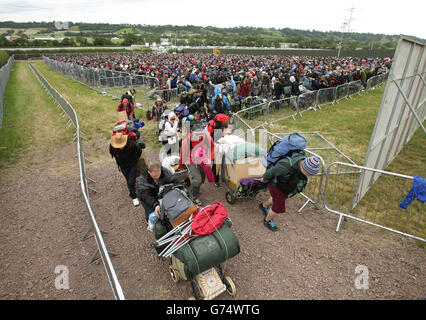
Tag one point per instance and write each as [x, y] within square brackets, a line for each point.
[96, 113]
[31, 122]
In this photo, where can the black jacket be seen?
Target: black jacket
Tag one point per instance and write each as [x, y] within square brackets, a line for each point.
[278, 90]
[128, 156]
[148, 190]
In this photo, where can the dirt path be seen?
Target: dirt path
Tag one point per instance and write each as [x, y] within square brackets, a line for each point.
[43, 221]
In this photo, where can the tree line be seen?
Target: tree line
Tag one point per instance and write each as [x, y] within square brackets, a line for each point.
[100, 34]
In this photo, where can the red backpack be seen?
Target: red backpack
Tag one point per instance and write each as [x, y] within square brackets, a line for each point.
[122, 127]
[214, 123]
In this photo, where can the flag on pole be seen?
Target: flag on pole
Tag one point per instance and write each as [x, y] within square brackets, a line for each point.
[216, 52]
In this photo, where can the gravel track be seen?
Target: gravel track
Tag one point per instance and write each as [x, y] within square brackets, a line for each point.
[43, 220]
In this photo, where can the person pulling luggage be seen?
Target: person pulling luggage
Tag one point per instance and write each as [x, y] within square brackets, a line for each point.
[152, 177]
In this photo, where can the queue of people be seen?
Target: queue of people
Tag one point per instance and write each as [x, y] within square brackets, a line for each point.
[207, 87]
[245, 75]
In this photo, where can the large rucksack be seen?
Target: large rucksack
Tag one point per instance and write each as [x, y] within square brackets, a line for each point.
[216, 123]
[294, 182]
[219, 105]
[122, 127]
[175, 204]
[284, 148]
[127, 96]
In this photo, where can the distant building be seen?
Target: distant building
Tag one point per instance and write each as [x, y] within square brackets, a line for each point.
[44, 38]
[164, 42]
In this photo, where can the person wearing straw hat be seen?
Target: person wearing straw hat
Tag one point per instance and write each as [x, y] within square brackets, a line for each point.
[126, 153]
[286, 178]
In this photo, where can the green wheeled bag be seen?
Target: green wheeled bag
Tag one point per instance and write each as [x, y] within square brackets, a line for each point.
[203, 252]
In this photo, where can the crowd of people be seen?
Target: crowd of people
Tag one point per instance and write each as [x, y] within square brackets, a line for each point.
[206, 85]
[251, 75]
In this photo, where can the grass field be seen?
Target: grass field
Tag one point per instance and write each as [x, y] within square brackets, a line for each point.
[349, 125]
[31, 122]
[96, 113]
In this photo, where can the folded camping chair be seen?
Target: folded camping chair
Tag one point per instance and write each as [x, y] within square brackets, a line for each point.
[184, 232]
[175, 238]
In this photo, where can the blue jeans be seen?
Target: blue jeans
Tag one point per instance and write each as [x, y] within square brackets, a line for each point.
[148, 210]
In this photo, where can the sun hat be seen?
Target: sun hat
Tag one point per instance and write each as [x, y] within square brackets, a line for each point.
[310, 166]
[118, 140]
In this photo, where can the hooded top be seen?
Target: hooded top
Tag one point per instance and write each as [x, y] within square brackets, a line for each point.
[171, 129]
[225, 99]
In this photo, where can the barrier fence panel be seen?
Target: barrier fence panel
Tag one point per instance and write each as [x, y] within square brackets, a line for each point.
[256, 111]
[241, 127]
[112, 83]
[354, 87]
[307, 101]
[4, 78]
[170, 95]
[285, 108]
[342, 92]
[102, 250]
[380, 207]
[325, 96]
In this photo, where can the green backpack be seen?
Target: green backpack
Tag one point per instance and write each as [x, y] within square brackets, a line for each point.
[295, 181]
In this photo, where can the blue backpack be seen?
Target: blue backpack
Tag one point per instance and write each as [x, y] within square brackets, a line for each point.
[284, 148]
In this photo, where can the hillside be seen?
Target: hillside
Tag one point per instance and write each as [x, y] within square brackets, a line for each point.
[30, 34]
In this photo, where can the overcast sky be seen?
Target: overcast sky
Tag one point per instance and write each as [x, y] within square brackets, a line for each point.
[387, 17]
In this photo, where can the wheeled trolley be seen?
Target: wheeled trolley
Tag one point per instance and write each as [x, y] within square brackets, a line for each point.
[232, 175]
[198, 259]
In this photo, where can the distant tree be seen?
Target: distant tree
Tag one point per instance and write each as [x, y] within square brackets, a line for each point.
[129, 39]
[67, 42]
[4, 42]
[100, 41]
[82, 41]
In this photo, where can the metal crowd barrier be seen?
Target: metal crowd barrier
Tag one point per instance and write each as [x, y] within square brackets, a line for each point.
[307, 101]
[326, 96]
[286, 107]
[70, 112]
[342, 92]
[312, 100]
[107, 82]
[4, 78]
[380, 206]
[354, 87]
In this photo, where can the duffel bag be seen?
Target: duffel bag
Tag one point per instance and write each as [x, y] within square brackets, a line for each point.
[205, 252]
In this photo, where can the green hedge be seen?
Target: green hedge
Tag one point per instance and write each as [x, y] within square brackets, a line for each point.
[4, 56]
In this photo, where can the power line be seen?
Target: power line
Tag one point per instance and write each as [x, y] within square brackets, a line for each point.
[346, 27]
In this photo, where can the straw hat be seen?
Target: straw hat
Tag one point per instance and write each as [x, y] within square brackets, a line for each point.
[119, 140]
